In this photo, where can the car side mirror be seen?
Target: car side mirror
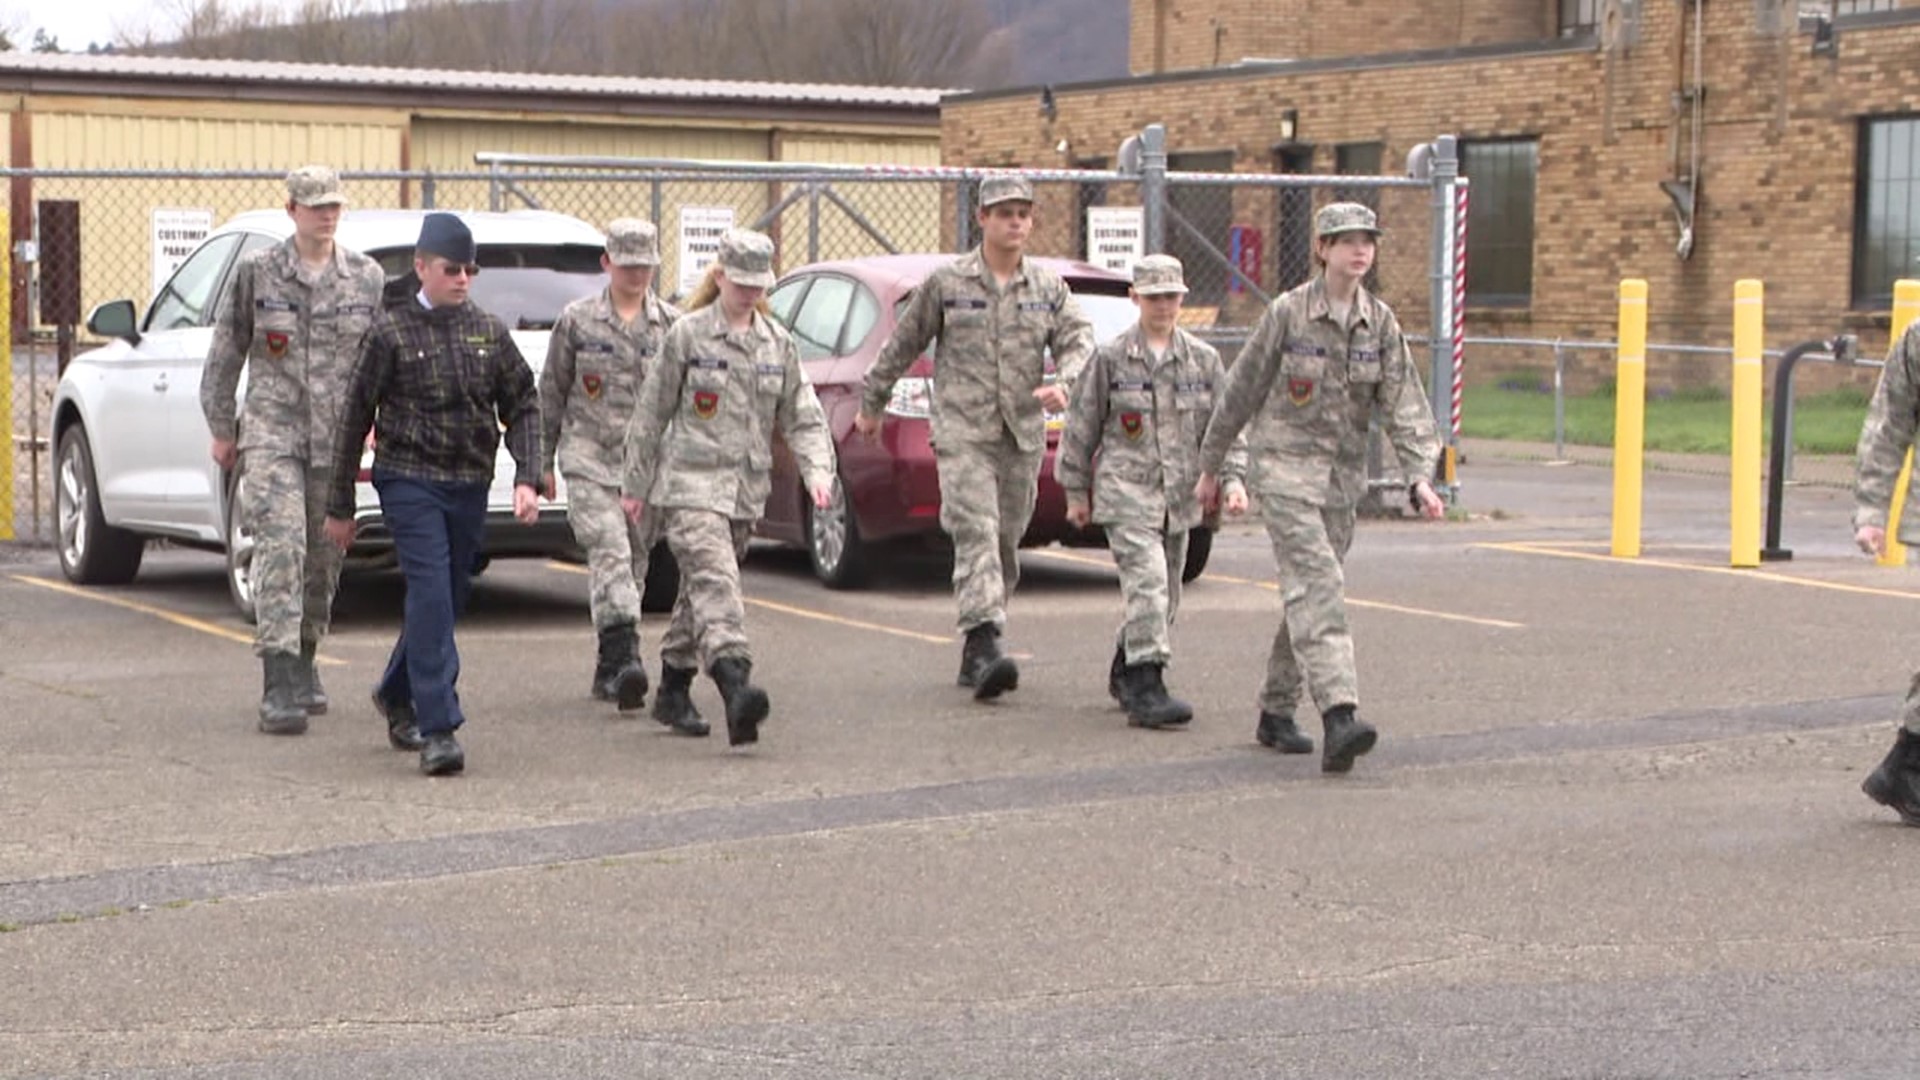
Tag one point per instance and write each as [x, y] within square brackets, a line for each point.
[114, 319]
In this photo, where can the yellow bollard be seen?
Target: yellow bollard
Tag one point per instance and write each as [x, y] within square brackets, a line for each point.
[1630, 419]
[9, 484]
[1906, 307]
[1749, 343]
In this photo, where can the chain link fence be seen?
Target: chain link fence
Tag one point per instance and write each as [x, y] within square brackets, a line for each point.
[77, 239]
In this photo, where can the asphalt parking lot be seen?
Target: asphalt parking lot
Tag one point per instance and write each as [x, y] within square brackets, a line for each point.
[1612, 829]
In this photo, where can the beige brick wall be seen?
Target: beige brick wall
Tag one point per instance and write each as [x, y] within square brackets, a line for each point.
[1174, 35]
[1778, 146]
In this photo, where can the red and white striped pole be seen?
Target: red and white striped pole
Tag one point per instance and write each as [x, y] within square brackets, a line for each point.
[1459, 306]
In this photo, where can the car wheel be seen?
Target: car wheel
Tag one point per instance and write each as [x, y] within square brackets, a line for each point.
[92, 552]
[1199, 547]
[834, 546]
[239, 552]
[663, 581]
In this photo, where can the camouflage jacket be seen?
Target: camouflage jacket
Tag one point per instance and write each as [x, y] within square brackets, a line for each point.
[702, 435]
[1886, 437]
[297, 332]
[591, 383]
[992, 350]
[1133, 431]
[1308, 386]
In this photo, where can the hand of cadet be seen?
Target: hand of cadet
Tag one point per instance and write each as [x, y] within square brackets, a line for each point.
[226, 453]
[1428, 501]
[633, 507]
[526, 504]
[1872, 539]
[1052, 398]
[822, 495]
[1079, 511]
[547, 489]
[340, 531]
[1207, 491]
[867, 426]
[1236, 502]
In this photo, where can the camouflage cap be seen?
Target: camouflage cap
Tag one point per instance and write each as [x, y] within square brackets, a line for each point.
[1341, 217]
[746, 257]
[633, 242]
[1158, 275]
[999, 189]
[315, 185]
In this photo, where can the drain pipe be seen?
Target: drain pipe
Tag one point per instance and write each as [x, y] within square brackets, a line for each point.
[1844, 349]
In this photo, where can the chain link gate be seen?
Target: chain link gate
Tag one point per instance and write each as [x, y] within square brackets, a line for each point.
[1244, 238]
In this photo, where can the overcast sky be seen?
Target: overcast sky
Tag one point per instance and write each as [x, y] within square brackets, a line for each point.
[77, 22]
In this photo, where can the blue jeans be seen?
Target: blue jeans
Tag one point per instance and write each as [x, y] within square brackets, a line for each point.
[436, 530]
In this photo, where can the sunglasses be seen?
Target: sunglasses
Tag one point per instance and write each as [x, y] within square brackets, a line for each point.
[451, 269]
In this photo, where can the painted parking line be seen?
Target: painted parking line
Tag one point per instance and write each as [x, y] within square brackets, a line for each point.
[174, 617]
[1555, 550]
[811, 613]
[1377, 605]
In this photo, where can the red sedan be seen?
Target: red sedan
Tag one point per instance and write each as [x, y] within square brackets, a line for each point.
[841, 313]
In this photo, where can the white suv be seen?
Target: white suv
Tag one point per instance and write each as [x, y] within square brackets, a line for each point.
[132, 460]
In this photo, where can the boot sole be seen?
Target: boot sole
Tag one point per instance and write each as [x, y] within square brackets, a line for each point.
[691, 726]
[1878, 788]
[1153, 724]
[289, 726]
[1295, 747]
[316, 708]
[1341, 760]
[630, 692]
[444, 768]
[745, 713]
[1001, 676]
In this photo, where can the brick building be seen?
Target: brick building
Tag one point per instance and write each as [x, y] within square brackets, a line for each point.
[1597, 134]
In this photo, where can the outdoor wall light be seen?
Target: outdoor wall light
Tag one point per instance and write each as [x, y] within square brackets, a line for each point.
[1289, 124]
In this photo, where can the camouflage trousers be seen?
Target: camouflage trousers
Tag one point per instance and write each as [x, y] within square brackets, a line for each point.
[1910, 712]
[295, 569]
[617, 551]
[1309, 544]
[709, 620]
[1150, 561]
[987, 492]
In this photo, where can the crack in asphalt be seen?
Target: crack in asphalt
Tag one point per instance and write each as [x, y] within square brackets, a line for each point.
[110, 892]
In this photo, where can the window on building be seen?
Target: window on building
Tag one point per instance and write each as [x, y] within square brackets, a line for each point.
[1886, 216]
[1500, 220]
[1358, 159]
[1579, 17]
[1862, 7]
[1209, 209]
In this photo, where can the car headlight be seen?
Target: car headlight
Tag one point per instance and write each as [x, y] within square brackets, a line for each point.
[912, 398]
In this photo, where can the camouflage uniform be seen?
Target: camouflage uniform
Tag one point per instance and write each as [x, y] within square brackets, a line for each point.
[1308, 385]
[1885, 438]
[989, 432]
[588, 389]
[296, 330]
[699, 453]
[1132, 442]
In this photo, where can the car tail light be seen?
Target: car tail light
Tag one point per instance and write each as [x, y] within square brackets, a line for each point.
[912, 398]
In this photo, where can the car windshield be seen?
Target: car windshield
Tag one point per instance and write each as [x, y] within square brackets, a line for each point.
[1109, 314]
[523, 285]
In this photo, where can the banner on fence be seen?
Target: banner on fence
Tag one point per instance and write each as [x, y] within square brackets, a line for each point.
[177, 231]
[1116, 237]
[700, 230]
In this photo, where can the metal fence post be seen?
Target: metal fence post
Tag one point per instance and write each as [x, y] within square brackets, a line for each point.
[813, 222]
[493, 186]
[6, 384]
[1153, 187]
[428, 192]
[1446, 170]
[1559, 402]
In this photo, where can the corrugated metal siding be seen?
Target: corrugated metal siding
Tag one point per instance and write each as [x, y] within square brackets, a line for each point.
[907, 213]
[116, 216]
[448, 145]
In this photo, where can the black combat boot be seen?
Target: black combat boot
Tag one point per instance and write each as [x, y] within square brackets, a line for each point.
[311, 696]
[1280, 732]
[747, 704]
[1147, 702]
[619, 676]
[1347, 738]
[673, 705]
[280, 711]
[403, 728]
[1896, 782]
[1116, 674]
[442, 755]
[983, 667]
